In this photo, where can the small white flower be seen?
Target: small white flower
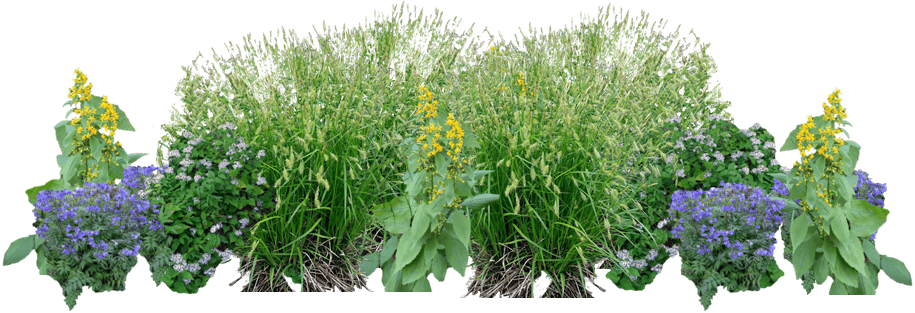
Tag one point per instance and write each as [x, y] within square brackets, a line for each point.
[186, 162]
[261, 154]
[169, 170]
[234, 182]
[745, 170]
[755, 126]
[188, 149]
[236, 165]
[174, 153]
[223, 164]
[681, 173]
[705, 157]
[708, 174]
[261, 180]
[774, 162]
[717, 155]
[769, 145]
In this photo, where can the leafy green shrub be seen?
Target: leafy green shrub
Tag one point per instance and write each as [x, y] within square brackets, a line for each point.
[830, 229]
[328, 108]
[91, 236]
[700, 157]
[430, 226]
[728, 238]
[210, 193]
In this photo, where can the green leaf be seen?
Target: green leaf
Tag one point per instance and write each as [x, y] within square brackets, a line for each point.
[803, 256]
[95, 147]
[422, 285]
[415, 183]
[410, 245]
[854, 150]
[68, 171]
[478, 174]
[470, 140]
[439, 266]
[19, 250]
[462, 227]
[54, 184]
[846, 190]
[368, 265]
[480, 201]
[799, 230]
[845, 273]
[821, 270]
[394, 215]
[123, 122]
[864, 218]
[133, 157]
[849, 245]
[462, 189]
[455, 253]
[893, 268]
[829, 251]
[791, 141]
[773, 273]
[870, 251]
[837, 288]
[390, 246]
[41, 261]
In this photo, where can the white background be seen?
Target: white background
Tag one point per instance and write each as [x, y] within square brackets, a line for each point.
[778, 60]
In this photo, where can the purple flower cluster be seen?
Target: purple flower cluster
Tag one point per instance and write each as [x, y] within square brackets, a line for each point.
[97, 220]
[733, 220]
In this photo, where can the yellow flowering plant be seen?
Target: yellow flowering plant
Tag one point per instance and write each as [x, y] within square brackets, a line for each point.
[429, 223]
[89, 152]
[829, 228]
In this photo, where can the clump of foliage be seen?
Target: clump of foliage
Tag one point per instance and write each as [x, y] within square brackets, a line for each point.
[329, 108]
[89, 154]
[429, 224]
[558, 114]
[700, 157]
[728, 238]
[91, 236]
[210, 194]
[831, 229]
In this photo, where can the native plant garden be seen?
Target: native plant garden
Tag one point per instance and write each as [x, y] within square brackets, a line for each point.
[410, 147]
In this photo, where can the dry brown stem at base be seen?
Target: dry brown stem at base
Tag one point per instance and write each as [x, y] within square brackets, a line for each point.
[501, 277]
[574, 286]
[328, 271]
[260, 279]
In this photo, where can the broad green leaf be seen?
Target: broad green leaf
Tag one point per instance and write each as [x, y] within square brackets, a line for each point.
[864, 218]
[782, 177]
[893, 268]
[368, 265]
[820, 270]
[123, 122]
[819, 166]
[829, 251]
[854, 149]
[41, 261]
[803, 256]
[799, 230]
[480, 173]
[462, 189]
[409, 246]
[455, 253]
[19, 249]
[422, 285]
[133, 157]
[61, 160]
[394, 215]
[54, 184]
[95, 147]
[480, 201]
[870, 251]
[419, 268]
[470, 140]
[415, 183]
[791, 141]
[849, 245]
[390, 246]
[389, 277]
[845, 191]
[773, 273]
[845, 273]
[462, 227]
[837, 288]
[68, 171]
[439, 266]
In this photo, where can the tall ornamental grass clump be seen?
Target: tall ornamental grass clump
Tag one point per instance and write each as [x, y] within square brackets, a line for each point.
[569, 121]
[728, 238]
[831, 230]
[330, 110]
